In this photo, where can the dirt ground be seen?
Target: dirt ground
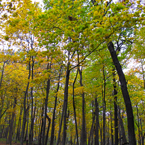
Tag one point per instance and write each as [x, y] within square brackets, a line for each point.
[4, 143]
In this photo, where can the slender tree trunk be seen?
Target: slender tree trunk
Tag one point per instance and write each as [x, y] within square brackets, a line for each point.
[19, 126]
[2, 100]
[104, 106]
[2, 74]
[27, 120]
[97, 122]
[143, 74]
[143, 139]
[60, 125]
[49, 120]
[130, 117]
[53, 119]
[40, 135]
[101, 134]
[25, 110]
[111, 127]
[115, 109]
[74, 108]
[46, 102]
[122, 127]
[92, 130]
[138, 125]
[83, 131]
[11, 123]
[65, 103]
[32, 113]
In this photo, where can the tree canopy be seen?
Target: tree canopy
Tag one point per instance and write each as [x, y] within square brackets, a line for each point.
[63, 78]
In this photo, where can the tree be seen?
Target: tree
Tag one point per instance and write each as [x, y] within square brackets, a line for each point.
[66, 52]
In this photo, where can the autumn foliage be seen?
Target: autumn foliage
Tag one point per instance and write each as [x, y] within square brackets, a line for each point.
[72, 72]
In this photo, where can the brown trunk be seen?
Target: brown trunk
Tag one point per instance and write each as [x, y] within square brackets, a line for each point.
[104, 106]
[83, 131]
[130, 117]
[65, 103]
[115, 109]
[49, 120]
[42, 122]
[19, 126]
[46, 102]
[92, 130]
[123, 136]
[53, 119]
[96, 122]
[25, 110]
[74, 108]
[32, 112]
[11, 123]
[2, 74]
[111, 126]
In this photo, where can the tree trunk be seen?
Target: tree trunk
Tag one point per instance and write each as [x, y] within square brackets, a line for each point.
[40, 135]
[65, 103]
[74, 108]
[46, 102]
[92, 130]
[25, 110]
[138, 125]
[19, 126]
[115, 109]
[2, 99]
[124, 140]
[11, 123]
[97, 122]
[49, 120]
[130, 117]
[2, 74]
[101, 135]
[83, 131]
[60, 125]
[32, 113]
[53, 119]
[111, 126]
[104, 105]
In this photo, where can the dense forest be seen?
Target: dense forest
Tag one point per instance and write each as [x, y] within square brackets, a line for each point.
[72, 72]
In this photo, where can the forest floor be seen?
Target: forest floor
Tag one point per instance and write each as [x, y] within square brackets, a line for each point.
[4, 143]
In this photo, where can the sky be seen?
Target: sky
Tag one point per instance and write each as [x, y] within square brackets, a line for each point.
[41, 1]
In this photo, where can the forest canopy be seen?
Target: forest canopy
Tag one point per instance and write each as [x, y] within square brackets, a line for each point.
[72, 72]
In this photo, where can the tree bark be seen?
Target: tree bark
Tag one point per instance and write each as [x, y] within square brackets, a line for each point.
[124, 140]
[65, 103]
[92, 129]
[2, 74]
[32, 112]
[40, 135]
[53, 119]
[46, 102]
[25, 110]
[49, 120]
[74, 108]
[83, 131]
[104, 106]
[111, 127]
[97, 122]
[130, 117]
[11, 123]
[19, 126]
[115, 109]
